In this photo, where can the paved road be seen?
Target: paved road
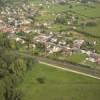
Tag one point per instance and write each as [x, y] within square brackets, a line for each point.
[91, 72]
[66, 69]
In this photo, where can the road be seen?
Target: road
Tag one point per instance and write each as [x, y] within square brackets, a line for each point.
[90, 72]
[66, 69]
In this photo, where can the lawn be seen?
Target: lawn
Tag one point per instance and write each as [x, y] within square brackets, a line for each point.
[76, 58]
[58, 85]
[94, 31]
[80, 9]
[87, 11]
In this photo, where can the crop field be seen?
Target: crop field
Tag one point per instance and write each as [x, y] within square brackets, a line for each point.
[46, 83]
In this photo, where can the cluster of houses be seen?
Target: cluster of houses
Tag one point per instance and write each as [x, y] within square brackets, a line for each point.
[16, 19]
[55, 45]
[20, 19]
[93, 57]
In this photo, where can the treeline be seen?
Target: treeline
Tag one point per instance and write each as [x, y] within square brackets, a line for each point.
[12, 69]
[8, 43]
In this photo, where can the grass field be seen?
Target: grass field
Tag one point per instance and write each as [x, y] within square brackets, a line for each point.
[87, 11]
[77, 8]
[58, 85]
[76, 58]
[80, 10]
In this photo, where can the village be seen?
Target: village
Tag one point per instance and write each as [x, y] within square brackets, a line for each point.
[62, 43]
[57, 44]
[17, 19]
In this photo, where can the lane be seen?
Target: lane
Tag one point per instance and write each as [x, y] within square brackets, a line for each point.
[66, 69]
[95, 73]
[79, 68]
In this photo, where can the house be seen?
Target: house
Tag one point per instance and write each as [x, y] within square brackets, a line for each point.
[67, 51]
[94, 55]
[91, 59]
[55, 49]
[78, 43]
[59, 1]
[69, 23]
[54, 40]
[62, 42]
[20, 40]
[98, 60]
[1, 21]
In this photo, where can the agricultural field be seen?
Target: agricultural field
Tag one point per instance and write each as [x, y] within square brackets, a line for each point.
[86, 12]
[46, 83]
[84, 19]
[76, 58]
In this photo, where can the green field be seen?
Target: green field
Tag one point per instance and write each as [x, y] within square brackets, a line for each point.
[81, 10]
[58, 85]
[87, 11]
[76, 58]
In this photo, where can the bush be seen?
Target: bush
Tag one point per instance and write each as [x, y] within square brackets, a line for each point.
[41, 80]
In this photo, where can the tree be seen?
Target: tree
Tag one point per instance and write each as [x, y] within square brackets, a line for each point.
[70, 6]
[40, 46]
[41, 80]
[30, 62]
[12, 69]
[18, 67]
[87, 46]
[29, 39]
[12, 43]
[2, 90]
[10, 92]
[7, 42]
[60, 19]
[3, 69]
[91, 24]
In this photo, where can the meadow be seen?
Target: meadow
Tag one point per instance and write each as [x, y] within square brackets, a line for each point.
[81, 10]
[47, 83]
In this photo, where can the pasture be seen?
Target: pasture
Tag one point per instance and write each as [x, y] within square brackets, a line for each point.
[47, 83]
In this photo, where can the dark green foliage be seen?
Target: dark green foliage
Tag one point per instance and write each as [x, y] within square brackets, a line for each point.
[29, 63]
[6, 42]
[11, 73]
[2, 90]
[3, 71]
[12, 68]
[29, 39]
[70, 6]
[91, 24]
[41, 80]
[40, 47]
[60, 19]
[88, 46]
